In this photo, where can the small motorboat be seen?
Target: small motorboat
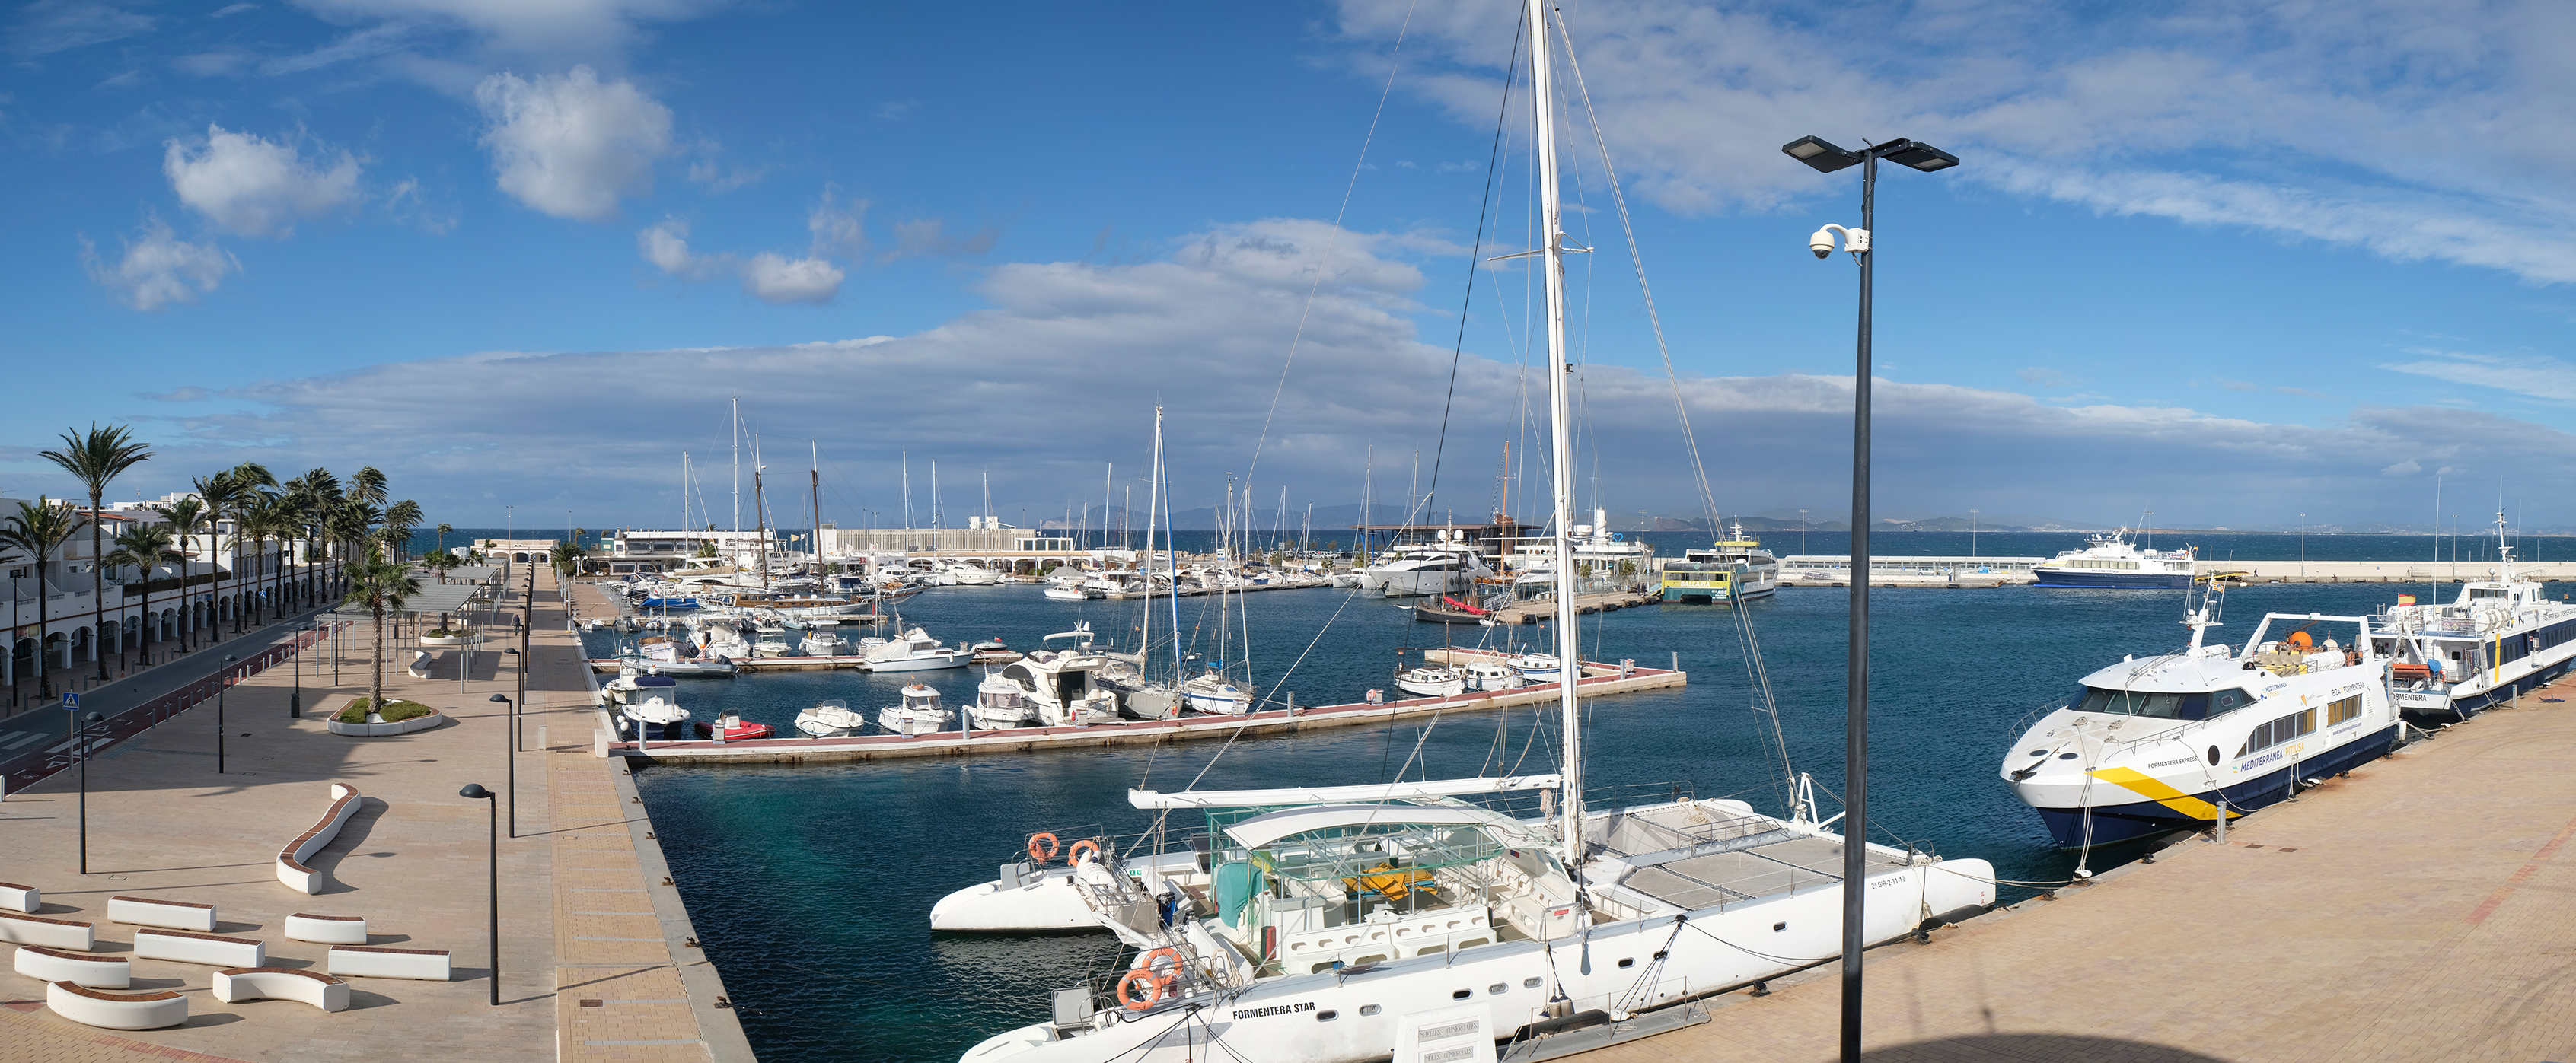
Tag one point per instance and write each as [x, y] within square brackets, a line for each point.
[1431, 681]
[731, 727]
[653, 710]
[1000, 703]
[822, 641]
[919, 714]
[772, 642]
[1491, 675]
[830, 719]
[1070, 592]
[1537, 667]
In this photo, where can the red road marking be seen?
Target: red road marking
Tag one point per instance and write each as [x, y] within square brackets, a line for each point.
[2495, 900]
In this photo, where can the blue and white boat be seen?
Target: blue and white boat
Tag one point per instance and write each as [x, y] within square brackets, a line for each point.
[2111, 560]
[2499, 639]
[2163, 743]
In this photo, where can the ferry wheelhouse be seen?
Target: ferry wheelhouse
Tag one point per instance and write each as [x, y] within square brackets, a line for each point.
[1730, 570]
[2111, 560]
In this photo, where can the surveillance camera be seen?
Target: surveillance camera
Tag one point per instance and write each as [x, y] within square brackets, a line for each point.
[1822, 243]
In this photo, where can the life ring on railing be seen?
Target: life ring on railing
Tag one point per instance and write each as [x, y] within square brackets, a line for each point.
[1042, 855]
[1154, 986]
[1075, 854]
[1146, 962]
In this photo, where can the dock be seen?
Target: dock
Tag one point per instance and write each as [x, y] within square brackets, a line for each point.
[2414, 910]
[1599, 680]
[1966, 572]
[1543, 610]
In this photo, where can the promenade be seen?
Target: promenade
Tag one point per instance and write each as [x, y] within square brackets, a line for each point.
[2417, 910]
[596, 954]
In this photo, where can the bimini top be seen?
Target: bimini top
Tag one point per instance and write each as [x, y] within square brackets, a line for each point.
[1265, 830]
[1320, 795]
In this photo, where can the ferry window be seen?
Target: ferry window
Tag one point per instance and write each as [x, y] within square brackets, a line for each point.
[2132, 703]
[2343, 709]
[2226, 701]
[1531, 983]
[1368, 1009]
[2271, 734]
[1327, 1015]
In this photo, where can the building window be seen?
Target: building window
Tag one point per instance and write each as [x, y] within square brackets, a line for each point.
[2271, 734]
[2343, 709]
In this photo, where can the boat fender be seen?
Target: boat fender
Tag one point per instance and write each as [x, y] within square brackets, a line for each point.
[1153, 987]
[1042, 856]
[1085, 849]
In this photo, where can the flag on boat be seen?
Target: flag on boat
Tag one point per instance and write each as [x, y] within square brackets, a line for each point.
[2406, 599]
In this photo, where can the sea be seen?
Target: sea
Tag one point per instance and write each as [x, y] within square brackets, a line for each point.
[811, 885]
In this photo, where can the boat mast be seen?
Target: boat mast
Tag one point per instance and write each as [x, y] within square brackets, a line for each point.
[814, 488]
[760, 512]
[685, 552]
[934, 504]
[731, 558]
[1569, 660]
[1107, 472]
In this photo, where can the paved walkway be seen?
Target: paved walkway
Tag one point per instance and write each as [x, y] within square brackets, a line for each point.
[413, 860]
[2418, 910]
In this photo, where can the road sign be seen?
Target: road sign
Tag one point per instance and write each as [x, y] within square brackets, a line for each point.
[71, 701]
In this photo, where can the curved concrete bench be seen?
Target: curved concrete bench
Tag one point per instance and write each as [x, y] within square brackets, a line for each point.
[281, 983]
[290, 860]
[328, 929]
[116, 1011]
[22, 898]
[51, 933]
[177, 915]
[380, 730]
[58, 965]
[365, 961]
[187, 947]
[420, 665]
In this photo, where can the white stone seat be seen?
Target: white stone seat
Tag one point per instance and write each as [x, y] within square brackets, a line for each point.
[116, 1011]
[51, 933]
[149, 911]
[21, 898]
[281, 983]
[62, 965]
[187, 947]
[366, 961]
[290, 860]
[327, 929]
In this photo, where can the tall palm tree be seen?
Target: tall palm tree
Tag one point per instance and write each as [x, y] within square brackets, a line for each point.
[322, 494]
[265, 517]
[146, 547]
[187, 517]
[366, 492]
[400, 519]
[379, 585]
[41, 530]
[443, 529]
[222, 495]
[95, 458]
[256, 482]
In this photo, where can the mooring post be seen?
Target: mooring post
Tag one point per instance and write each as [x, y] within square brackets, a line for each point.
[2222, 821]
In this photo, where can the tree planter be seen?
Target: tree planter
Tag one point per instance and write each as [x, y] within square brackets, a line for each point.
[379, 730]
[467, 639]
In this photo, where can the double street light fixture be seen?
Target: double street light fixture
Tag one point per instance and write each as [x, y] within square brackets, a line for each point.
[1826, 157]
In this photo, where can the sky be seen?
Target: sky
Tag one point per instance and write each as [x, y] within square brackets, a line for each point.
[2250, 265]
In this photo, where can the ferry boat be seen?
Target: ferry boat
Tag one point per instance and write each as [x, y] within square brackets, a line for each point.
[1731, 570]
[2159, 744]
[2111, 560]
[2499, 639]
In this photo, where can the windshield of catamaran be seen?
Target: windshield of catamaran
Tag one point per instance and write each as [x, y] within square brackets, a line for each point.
[2161, 705]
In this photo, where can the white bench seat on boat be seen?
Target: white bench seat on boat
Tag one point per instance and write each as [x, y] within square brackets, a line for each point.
[365, 961]
[290, 860]
[51, 933]
[79, 968]
[148, 911]
[187, 947]
[116, 1011]
[327, 929]
[281, 983]
[21, 898]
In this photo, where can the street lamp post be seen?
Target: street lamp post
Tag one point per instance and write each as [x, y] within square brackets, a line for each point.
[80, 741]
[223, 680]
[1826, 158]
[476, 792]
[295, 701]
[509, 756]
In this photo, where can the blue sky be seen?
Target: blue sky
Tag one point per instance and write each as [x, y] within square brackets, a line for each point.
[2225, 263]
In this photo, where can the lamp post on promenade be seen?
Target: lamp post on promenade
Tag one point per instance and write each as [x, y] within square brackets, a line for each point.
[476, 792]
[223, 680]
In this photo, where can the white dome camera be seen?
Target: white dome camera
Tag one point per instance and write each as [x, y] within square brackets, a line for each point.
[1822, 243]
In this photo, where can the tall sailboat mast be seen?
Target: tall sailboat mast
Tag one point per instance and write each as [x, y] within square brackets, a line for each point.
[737, 482]
[1561, 425]
[814, 490]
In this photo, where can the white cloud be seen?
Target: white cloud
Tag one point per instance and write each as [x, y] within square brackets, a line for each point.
[256, 187]
[50, 26]
[2408, 467]
[159, 269]
[838, 229]
[571, 145]
[592, 30]
[667, 245]
[2538, 376]
[775, 278]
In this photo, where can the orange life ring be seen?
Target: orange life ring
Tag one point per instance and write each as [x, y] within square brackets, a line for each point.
[1146, 962]
[1074, 855]
[1042, 855]
[1154, 985]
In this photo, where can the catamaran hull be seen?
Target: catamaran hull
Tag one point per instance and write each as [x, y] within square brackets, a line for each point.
[2106, 823]
[2051, 577]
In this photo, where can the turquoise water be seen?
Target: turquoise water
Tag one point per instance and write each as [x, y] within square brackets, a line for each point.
[811, 886]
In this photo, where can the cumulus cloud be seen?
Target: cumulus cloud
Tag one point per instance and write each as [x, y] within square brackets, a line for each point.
[158, 269]
[1203, 328]
[775, 278]
[571, 145]
[253, 186]
[929, 238]
[769, 276]
[667, 245]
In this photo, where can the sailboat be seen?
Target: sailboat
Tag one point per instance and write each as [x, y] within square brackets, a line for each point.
[1143, 692]
[1337, 924]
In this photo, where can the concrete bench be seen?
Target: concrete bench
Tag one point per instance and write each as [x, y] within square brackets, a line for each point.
[281, 983]
[366, 961]
[290, 860]
[420, 665]
[328, 929]
[78, 968]
[187, 947]
[21, 898]
[116, 1011]
[51, 933]
[177, 915]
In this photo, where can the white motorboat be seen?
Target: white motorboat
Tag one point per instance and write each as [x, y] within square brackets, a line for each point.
[1212, 693]
[963, 574]
[1431, 681]
[830, 719]
[1000, 703]
[920, 713]
[1537, 667]
[657, 648]
[912, 651]
[653, 711]
[772, 642]
[2500, 639]
[1066, 584]
[1448, 564]
[1060, 686]
[1490, 675]
[1138, 696]
[724, 639]
[821, 641]
[2164, 743]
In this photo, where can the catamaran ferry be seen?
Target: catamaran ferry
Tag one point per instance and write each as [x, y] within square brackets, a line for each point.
[2113, 561]
[1731, 570]
[2496, 641]
[2160, 744]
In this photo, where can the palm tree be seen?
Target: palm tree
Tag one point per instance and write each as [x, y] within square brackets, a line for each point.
[443, 529]
[263, 518]
[41, 530]
[186, 517]
[379, 585]
[146, 547]
[400, 519]
[322, 497]
[566, 556]
[221, 495]
[95, 458]
[255, 482]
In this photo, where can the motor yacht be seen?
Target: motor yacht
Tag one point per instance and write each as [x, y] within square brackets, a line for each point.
[920, 713]
[1000, 703]
[830, 719]
[912, 651]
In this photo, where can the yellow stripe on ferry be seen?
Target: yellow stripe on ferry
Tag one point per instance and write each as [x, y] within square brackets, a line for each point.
[2155, 790]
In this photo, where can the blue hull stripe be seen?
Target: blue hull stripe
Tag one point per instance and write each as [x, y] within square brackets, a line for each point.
[2118, 823]
[2090, 578]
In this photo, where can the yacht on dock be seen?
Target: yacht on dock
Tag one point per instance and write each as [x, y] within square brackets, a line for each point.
[920, 713]
[1431, 681]
[1448, 564]
[2162, 743]
[2500, 639]
[2111, 560]
[1735, 569]
[653, 711]
[912, 651]
[999, 704]
[830, 719]
[1061, 686]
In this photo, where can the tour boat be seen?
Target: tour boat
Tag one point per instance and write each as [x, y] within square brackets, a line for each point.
[2111, 560]
[1730, 570]
[2498, 640]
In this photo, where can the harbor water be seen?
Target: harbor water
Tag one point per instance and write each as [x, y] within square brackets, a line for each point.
[812, 885]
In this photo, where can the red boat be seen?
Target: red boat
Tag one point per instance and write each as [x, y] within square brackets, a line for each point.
[735, 728]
